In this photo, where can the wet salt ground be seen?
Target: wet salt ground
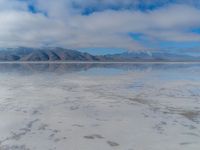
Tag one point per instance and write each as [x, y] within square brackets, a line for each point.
[87, 107]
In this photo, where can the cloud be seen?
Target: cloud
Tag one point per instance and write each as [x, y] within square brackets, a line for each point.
[6, 5]
[63, 23]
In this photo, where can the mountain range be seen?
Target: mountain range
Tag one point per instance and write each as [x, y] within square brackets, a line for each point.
[61, 54]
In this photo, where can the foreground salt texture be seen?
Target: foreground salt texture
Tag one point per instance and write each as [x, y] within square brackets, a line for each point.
[130, 109]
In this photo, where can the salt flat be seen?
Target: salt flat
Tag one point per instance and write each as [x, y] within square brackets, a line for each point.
[100, 106]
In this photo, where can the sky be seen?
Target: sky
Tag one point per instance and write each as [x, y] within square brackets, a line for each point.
[102, 26]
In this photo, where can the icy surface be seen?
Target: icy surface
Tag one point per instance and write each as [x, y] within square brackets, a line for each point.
[99, 107]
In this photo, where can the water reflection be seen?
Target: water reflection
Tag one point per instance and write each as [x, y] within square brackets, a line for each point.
[57, 105]
[61, 68]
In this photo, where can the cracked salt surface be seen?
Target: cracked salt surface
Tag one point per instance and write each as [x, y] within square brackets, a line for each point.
[80, 107]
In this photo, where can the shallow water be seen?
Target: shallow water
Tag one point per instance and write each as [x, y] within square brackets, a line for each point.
[137, 106]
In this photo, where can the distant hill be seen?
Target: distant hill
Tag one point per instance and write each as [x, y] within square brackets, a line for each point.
[151, 57]
[44, 54]
[61, 54]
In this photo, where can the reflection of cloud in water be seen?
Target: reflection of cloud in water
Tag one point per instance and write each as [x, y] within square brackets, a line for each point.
[137, 106]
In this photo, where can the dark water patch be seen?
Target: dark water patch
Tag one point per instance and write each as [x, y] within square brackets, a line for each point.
[113, 144]
[14, 147]
[78, 125]
[191, 134]
[74, 107]
[30, 124]
[185, 143]
[94, 136]
[43, 127]
[57, 140]
[192, 115]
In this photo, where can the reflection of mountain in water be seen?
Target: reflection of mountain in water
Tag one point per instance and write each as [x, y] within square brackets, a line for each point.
[28, 68]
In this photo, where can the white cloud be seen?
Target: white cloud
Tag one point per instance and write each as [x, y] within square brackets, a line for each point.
[65, 26]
